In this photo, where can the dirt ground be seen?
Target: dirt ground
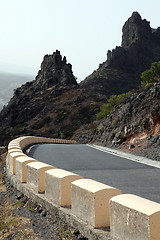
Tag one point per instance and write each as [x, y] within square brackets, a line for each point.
[21, 219]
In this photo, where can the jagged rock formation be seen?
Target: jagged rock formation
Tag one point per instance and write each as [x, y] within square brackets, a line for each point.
[55, 75]
[50, 104]
[55, 103]
[135, 29]
[121, 72]
[55, 72]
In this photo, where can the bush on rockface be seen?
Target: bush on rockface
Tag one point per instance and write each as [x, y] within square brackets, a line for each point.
[110, 105]
[149, 76]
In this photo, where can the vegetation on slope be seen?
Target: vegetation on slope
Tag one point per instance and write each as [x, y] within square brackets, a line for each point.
[108, 107]
[150, 75]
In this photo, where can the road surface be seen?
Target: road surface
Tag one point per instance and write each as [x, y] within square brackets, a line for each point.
[129, 176]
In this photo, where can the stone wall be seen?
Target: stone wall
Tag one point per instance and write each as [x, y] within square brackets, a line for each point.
[90, 206]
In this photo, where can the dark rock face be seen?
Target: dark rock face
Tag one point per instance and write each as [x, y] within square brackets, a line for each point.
[154, 140]
[50, 104]
[121, 72]
[55, 103]
[55, 71]
[136, 29]
[137, 116]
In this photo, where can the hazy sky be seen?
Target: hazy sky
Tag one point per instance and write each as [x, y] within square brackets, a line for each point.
[83, 30]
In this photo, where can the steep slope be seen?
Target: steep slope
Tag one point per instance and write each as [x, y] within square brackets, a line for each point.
[55, 103]
[133, 125]
[136, 115]
[121, 72]
[50, 104]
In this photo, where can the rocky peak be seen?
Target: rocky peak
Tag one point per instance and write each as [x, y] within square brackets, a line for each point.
[55, 71]
[135, 29]
[122, 70]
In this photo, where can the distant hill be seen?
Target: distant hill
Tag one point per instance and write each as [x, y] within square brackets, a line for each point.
[9, 82]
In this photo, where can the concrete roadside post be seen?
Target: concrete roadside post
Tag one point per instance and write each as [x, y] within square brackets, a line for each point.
[90, 201]
[133, 217]
[58, 186]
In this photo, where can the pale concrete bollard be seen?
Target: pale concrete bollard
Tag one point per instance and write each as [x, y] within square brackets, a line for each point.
[36, 175]
[13, 147]
[133, 217]
[14, 142]
[21, 168]
[90, 201]
[14, 150]
[58, 186]
[11, 159]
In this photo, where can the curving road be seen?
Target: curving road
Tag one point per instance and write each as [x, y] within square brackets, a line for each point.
[129, 176]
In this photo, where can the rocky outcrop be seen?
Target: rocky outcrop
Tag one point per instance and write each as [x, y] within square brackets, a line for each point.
[51, 104]
[121, 71]
[136, 30]
[55, 75]
[55, 103]
[136, 118]
[55, 71]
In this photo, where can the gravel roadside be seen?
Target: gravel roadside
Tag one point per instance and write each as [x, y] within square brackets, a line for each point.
[21, 219]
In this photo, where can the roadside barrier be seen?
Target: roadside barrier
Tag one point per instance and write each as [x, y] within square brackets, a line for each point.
[90, 201]
[21, 168]
[12, 160]
[133, 217]
[58, 186]
[36, 175]
[87, 203]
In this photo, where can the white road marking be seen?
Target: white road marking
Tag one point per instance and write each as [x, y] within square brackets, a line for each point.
[128, 156]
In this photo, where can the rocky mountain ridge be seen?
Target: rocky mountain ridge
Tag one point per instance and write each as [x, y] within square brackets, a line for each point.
[50, 104]
[121, 71]
[54, 102]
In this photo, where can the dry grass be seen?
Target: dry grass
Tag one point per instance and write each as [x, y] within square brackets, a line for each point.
[11, 225]
[19, 227]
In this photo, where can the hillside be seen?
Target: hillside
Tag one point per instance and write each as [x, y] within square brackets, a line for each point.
[51, 104]
[54, 102]
[134, 123]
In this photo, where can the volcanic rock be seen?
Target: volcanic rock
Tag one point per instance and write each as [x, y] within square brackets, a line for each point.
[51, 104]
[121, 71]
[55, 103]
[55, 72]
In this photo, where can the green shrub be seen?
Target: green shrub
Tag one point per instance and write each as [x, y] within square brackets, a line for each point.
[110, 105]
[148, 76]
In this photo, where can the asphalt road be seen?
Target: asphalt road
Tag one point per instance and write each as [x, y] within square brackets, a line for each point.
[129, 176]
